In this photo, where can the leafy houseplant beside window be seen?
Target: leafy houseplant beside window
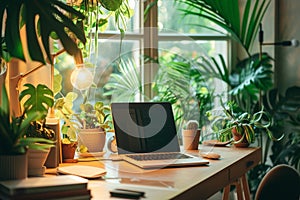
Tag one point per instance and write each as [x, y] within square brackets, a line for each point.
[241, 127]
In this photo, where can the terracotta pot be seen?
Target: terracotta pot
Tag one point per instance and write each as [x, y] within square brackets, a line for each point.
[13, 167]
[190, 139]
[68, 150]
[237, 137]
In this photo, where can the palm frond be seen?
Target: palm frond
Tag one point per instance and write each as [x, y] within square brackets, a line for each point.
[125, 84]
[242, 26]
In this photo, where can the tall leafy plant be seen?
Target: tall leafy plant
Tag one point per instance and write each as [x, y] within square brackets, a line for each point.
[177, 81]
[180, 82]
[253, 74]
[41, 20]
[13, 130]
[97, 18]
[246, 81]
[125, 83]
[286, 111]
[242, 25]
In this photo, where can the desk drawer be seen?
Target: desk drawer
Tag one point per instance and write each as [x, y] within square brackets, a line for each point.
[244, 165]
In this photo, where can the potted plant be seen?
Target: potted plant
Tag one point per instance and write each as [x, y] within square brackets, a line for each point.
[241, 127]
[191, 135]
[63, 107]
[94, 121]
[35, 99]
[37, 158]
[13, 143]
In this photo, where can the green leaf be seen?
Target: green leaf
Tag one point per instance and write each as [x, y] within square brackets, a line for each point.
[39, 99]
[226, 14]
[54, 17]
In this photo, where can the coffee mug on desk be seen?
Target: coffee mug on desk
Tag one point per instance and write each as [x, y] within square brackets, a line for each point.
[112, 144]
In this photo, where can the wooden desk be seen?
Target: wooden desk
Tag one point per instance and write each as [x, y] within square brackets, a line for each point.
[176, 183]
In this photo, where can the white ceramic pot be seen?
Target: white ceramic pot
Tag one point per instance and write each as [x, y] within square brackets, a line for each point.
[13, 167]
[93, 139]
[36, 161]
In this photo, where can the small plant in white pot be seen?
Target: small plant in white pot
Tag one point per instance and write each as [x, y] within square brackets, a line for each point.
[191, 135]
[95, 120]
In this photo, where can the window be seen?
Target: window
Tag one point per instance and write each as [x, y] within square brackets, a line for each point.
[153, 51]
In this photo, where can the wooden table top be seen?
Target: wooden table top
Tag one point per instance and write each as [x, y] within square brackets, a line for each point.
[174, 183]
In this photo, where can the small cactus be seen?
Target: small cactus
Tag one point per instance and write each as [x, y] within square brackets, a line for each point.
[192, 125]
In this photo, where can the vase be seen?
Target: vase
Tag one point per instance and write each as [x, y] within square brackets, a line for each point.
[36, 161]
[93, 139]
[13, 167]
[237, 137]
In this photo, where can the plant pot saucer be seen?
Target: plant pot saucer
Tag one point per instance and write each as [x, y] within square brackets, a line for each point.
[37, 171]
[215, 143]
[90, 154]
[70, 160]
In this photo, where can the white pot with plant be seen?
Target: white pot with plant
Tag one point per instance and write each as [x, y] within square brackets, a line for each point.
[94, 123]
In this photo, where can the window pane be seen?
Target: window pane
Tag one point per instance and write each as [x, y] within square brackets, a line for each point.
[191, 49]
[180, 78]
[170, 18]
[109, 61]
[132, 25]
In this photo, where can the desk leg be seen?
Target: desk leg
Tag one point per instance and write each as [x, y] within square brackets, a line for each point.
[242, 189]
[226, 193]
[245, 187]
[239, 189]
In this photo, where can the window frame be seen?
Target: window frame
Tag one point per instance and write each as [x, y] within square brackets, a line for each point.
[149, 41]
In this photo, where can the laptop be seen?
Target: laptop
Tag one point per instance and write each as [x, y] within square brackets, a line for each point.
[146, 135]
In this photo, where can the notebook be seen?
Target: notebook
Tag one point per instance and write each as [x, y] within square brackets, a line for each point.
[145, 131]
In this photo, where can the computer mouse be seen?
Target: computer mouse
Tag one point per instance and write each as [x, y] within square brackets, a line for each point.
[211, 155]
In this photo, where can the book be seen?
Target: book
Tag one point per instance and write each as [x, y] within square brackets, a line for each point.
[79, 194]
[45, 184]
[88, 172]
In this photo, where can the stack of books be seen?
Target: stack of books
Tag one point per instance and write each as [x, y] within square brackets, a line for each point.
[64, 187]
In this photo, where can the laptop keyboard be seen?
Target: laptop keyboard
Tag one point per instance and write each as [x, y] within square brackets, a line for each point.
[159, 156]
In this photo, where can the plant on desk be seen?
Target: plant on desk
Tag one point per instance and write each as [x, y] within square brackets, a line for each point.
[81, 128]
[40, 99]
[191, 135]
[13, 142]
[241, 127]
[95, 120]
[63, 107]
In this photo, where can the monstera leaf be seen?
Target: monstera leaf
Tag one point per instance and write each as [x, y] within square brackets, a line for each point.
[40, 98]
[41, 19]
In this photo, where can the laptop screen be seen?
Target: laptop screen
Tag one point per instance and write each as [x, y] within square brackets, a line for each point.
[144, 127]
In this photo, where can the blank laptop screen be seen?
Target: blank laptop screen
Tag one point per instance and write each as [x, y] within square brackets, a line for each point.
[144, 127]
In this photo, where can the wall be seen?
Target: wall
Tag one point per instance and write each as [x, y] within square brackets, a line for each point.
[287, 71]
